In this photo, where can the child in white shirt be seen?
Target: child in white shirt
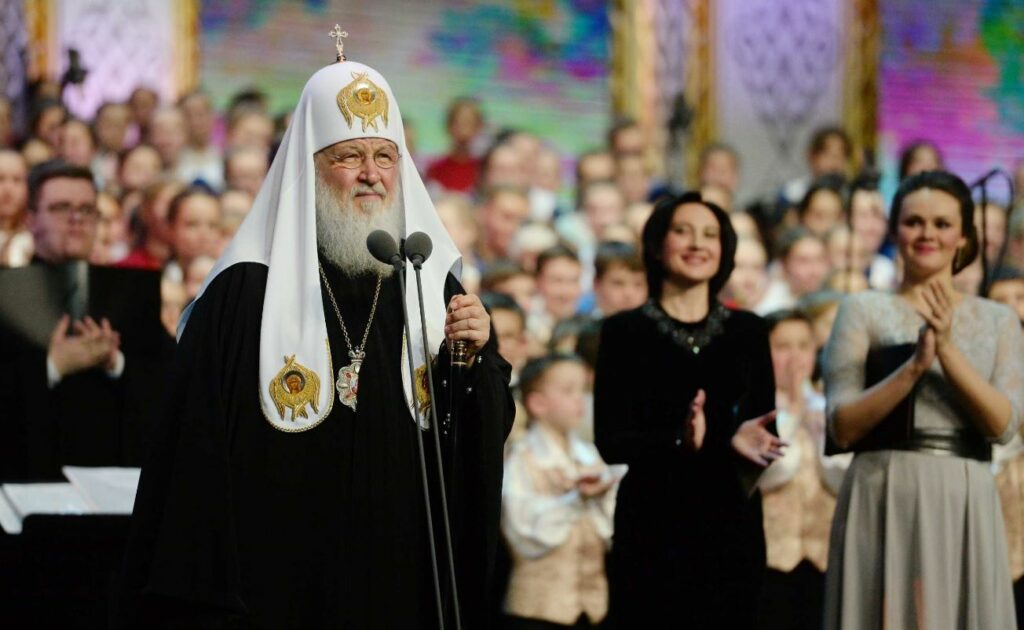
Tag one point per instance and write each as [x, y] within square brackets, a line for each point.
[558, 504]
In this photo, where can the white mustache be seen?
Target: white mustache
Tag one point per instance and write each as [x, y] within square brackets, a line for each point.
[364, 189]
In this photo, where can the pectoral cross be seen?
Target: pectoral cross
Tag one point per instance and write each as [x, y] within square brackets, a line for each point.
[337, 34]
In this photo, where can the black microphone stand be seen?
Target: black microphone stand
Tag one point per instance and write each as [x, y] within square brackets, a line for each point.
[396, 261]
[982, 184]
[417, 258]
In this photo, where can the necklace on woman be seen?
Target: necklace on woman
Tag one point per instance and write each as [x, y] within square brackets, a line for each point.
[348, 376]
[692, 338]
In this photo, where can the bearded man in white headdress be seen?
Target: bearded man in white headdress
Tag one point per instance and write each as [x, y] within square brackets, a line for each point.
[285, 486]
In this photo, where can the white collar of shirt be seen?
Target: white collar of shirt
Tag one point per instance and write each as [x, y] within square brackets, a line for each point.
[547, 453]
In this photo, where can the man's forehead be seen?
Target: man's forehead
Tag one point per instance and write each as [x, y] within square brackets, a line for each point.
[65, 187]
[362, 144]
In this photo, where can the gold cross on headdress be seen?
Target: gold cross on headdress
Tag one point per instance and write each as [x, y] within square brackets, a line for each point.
[337, 34]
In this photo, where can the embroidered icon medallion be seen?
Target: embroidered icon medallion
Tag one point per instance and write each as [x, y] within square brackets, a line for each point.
[294, 387]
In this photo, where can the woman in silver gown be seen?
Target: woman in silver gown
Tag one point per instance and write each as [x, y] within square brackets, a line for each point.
[919, 384]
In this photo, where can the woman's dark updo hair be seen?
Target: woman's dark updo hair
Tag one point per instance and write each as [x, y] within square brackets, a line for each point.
[952, 185]
[656, 229]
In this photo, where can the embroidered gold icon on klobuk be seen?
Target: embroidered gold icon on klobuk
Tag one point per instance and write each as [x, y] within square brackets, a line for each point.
[365, 100]
[294, 387]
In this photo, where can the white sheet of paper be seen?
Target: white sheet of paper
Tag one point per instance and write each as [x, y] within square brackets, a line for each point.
[105, 490]
[45, 498]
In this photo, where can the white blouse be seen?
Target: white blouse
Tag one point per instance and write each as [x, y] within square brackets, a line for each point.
[540, 504]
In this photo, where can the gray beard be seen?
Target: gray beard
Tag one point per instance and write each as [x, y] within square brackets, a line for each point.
[341, 230]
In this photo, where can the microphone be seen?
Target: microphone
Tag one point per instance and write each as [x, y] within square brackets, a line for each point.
[418, 247]
[984, 178]
[383, 248]
[982, 184]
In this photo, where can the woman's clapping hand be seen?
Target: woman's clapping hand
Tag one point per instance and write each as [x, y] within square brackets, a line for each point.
[756, 443]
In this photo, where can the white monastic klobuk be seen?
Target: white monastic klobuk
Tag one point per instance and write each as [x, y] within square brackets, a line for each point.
[280, 232]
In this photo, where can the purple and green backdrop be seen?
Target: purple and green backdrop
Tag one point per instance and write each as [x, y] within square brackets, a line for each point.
[952, 72]
[536, 64]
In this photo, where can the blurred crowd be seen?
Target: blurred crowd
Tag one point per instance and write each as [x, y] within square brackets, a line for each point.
[552, 242]
[558, 233]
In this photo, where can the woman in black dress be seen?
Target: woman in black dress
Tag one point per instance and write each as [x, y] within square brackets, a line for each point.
[684, 394]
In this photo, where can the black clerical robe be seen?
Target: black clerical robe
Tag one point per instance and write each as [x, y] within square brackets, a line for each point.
[87, 418]
[239, 524]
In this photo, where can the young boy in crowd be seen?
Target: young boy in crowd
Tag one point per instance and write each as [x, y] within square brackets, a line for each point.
[558, 504]
[1007, 286]
[602, 205]
[619, 280]
[798, 489]
[502, 211]
[509, 323]
[559, 290]
[511, 279]
[803, 267]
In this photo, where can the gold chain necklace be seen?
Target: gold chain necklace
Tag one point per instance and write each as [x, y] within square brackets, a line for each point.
[348, 376]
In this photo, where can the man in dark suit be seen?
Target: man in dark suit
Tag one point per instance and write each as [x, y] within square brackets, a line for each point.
[81, 348]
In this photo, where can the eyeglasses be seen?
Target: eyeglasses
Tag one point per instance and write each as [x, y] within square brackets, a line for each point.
[63, 209]
[352, 159]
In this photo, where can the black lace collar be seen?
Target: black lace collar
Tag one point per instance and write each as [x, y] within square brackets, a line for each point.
[694, 337]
